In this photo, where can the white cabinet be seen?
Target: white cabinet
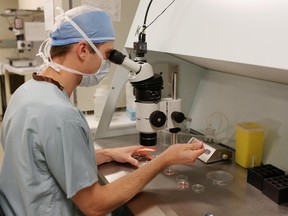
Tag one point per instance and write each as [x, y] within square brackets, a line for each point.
[246, 37]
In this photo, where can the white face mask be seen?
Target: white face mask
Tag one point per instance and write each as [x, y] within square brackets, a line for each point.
[88, 79]
[95, 78]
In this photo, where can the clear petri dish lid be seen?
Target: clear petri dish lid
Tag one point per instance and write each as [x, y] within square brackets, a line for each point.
[220, 177]
[198, 188]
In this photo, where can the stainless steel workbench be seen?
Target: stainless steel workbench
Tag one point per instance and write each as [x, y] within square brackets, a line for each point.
[162, 197]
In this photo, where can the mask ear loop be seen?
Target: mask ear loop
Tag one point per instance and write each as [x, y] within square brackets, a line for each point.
[57, 67]
[43, 54]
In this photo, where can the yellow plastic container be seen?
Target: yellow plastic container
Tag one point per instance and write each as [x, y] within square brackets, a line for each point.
[249, 144]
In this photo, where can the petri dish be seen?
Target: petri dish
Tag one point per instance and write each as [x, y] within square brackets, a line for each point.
[182, 182]
[198, 188]
[220, 177]
[181, 177]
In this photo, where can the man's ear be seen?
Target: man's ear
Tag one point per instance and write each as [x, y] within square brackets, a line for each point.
[82, 49]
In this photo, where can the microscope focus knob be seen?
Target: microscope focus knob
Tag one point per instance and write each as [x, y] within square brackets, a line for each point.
[157, 118]
[179, 117]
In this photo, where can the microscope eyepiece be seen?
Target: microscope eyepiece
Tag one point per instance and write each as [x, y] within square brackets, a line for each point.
[116, 57]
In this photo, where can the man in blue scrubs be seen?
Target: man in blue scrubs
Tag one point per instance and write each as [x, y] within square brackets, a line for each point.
[50, 165]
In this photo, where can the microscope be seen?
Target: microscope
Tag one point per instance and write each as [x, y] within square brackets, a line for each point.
[22, 45]
[18, 28]
[153, 112]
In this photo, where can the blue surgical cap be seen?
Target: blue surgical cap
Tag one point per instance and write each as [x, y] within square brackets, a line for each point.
[95, 23]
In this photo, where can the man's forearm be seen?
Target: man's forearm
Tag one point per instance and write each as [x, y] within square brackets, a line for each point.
[122, 190]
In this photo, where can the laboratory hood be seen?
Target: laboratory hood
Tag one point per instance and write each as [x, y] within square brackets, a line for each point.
[242, 37]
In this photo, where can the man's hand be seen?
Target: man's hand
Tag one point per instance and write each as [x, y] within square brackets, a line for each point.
[124, 154]
[183, 153]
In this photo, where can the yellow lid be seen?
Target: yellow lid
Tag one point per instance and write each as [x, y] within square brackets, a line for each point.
[250, 126]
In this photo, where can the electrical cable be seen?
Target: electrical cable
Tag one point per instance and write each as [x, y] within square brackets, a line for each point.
[159, 15]
[146, 15]
[141, 36]
[10, 24]
[147, 10]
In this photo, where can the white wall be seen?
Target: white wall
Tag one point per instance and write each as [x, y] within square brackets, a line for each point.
[31, 4]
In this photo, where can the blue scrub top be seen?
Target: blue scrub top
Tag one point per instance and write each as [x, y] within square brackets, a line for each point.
[49, 153]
